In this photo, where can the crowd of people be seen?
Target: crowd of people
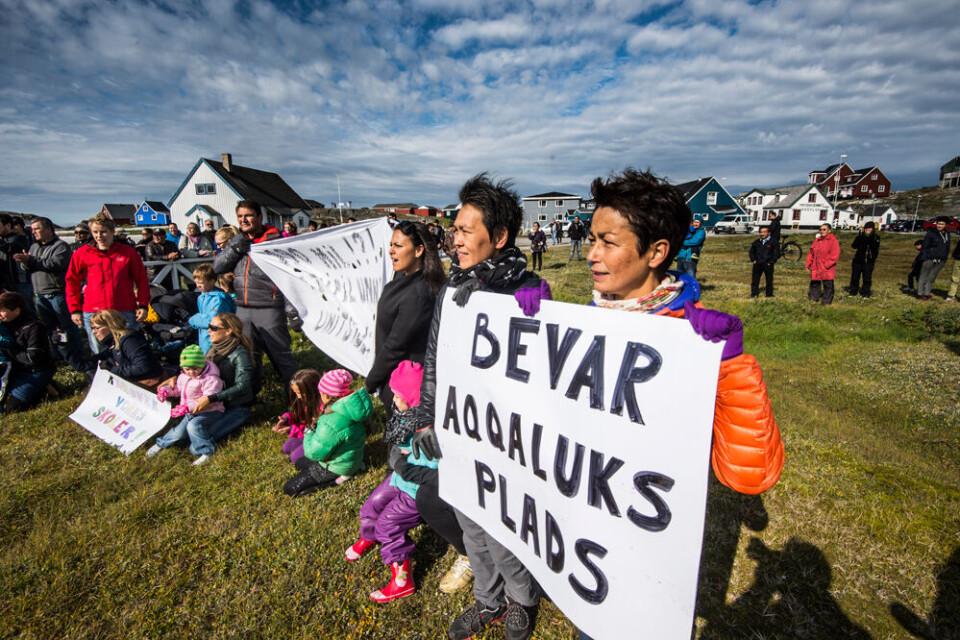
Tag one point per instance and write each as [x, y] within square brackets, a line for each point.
[640, 227]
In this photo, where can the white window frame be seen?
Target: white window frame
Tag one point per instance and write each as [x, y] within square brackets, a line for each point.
[542, 203]
[711, 198]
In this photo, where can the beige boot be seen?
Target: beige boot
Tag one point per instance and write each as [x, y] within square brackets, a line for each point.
[459, 576]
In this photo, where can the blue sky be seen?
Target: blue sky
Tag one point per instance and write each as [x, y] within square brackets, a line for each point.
[116, 101]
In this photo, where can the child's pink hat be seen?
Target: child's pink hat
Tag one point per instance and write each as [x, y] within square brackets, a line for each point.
[405, 381]
[335, 383]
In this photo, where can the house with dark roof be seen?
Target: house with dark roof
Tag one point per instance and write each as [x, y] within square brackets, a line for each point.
[152, 212]
[451, 210]
[844, 182]
[708, 200]
[212, 189]
[801, 206]
[122, 214]
[553, 205]
[950, 174]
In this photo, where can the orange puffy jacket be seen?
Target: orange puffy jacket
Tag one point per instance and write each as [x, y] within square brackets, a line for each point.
[747, 452]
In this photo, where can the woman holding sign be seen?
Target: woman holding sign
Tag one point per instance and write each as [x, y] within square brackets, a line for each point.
[405, 307]
[638, 228]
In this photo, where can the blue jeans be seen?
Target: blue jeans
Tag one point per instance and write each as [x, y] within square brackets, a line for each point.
[687, 265]
[54, 314]
[132, 324]
[233, 418]
[575, 245]
[27, 387]
[195, 427]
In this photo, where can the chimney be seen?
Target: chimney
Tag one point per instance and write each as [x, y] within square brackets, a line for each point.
[227, 161]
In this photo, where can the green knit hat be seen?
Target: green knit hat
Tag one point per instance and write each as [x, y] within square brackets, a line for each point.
[192, 356]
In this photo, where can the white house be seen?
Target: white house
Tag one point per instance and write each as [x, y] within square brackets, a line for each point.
[802, 206]
[212, 189]
[545, 207]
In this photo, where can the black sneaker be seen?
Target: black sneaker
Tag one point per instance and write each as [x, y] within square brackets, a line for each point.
[519, 621]
[473, 620]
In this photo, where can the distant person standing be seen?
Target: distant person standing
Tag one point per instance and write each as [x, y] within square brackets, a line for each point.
[81, 236]
[193, 244]
[146, 237]
[577, 233]
[553, 231]
[260, 304]
[538, 244]
[22, 229]
[774, 227]
[763, 254]
[867, 246]
[209, 229]
[159, 249]
[822, 265]
[690, 251]
[173, 233]
[47, 263]
[934, 253]
[954, 275]
[13, 277]
[913, 278]
[115, 279]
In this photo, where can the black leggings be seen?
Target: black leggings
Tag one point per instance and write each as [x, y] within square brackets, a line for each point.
[312, 476]
[537, 260]
[440, 515]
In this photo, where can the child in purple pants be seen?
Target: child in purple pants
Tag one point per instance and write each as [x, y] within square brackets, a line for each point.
[305, 408]
[391, 510]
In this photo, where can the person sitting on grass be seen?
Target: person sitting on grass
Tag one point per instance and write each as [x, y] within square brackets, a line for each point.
[391, 510]
[304, 410]
[198, 379]
[211, 302]
[25, 350]
[124, 352]
[333, 449]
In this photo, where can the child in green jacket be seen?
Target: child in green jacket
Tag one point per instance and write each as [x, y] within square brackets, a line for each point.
[333, 451]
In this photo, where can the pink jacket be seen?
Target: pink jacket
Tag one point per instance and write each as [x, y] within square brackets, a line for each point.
[823, 256]
[189, 390]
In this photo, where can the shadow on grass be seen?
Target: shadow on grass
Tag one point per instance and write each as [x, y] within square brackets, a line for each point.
[943, 622]
[791, 586]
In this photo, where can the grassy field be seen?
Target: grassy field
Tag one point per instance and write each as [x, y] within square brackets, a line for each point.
[860, 538]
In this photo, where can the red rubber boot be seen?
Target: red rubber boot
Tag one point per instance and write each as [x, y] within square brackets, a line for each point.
[400, 585]
[357, 549]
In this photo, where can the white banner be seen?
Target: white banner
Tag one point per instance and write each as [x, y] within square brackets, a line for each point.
[333, 277]
[120, 413]
[580, 440]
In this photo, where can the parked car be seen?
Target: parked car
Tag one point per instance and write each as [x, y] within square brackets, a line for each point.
[733, 223]
[907, 225]
[952, 226]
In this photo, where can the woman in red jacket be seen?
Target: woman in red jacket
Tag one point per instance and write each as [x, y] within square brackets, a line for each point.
[822, 265]
[115, 279]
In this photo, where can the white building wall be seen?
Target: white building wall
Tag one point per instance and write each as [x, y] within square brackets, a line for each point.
[223, 201]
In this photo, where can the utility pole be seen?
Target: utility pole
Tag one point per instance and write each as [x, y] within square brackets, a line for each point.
[339, 199]
[836, 190]
[915, 211]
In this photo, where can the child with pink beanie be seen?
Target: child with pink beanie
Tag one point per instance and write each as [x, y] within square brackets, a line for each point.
[333, 449]
[391, 510]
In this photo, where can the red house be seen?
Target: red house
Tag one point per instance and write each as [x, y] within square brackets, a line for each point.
[841, 181]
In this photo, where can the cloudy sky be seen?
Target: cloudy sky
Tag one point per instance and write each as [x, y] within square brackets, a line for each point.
[115, 101]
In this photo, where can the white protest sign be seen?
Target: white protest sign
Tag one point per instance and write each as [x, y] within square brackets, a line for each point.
[580, 440]
[120, 413]
[334, 277]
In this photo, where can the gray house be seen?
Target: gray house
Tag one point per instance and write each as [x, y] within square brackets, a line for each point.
[545, 207]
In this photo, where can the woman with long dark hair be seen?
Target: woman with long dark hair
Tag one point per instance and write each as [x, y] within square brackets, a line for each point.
[406, 306]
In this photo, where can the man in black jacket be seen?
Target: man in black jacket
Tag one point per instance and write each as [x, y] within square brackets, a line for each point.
[47, 265]
[867, 245]
[577, 233]
[486, 227]
[934, 253]
[12, 275]
[260, 304]
[763, 254]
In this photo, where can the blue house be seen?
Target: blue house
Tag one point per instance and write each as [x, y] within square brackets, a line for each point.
[151, 212]
[708, 200]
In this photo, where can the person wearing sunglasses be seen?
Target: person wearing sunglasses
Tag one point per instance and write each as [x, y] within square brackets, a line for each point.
[822, 265]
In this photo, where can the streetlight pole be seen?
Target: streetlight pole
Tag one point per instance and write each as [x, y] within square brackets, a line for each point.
[915, 211]
[836, 216]
[339, 199]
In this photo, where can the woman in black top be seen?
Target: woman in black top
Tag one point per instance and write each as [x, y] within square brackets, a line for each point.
[124, 352]
[405, 307]
[25, 352]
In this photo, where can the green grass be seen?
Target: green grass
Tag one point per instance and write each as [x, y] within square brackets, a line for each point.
[865, 516]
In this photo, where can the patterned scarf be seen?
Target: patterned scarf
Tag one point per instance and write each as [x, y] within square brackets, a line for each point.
[496, 273]
[668, 291]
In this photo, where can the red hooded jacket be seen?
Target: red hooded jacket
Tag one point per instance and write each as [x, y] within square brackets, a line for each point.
[116, 279]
